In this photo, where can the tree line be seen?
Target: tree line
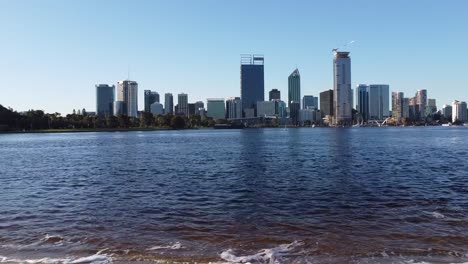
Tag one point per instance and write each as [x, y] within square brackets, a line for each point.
[11, 120]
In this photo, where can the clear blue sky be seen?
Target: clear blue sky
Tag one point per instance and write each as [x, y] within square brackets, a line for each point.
[52, 53]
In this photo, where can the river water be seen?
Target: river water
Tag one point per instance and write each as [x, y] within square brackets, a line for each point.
[357, 195]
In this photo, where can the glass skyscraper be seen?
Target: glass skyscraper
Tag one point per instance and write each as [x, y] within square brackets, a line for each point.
[104, 99]
[151, 97]
[127, 92]
[252, 82]
[342, 94]
[294, 88]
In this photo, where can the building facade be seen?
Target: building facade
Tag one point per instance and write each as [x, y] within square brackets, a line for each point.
[309, 101]
[294, 88]
[157, 108]
[182, 103]
[459, 111]
[252, 83]
[127, 92]
[104, 100]
[266, 108]
[151, 97]
[233, 108]
[198, 106]
[215, 108]
[274, 94]
[421, 103]
[362, 100]
[379, 101]
[168, 103]
[326, 103]
[431, 107]
[447, 111]
[342, 95]
[397, 105]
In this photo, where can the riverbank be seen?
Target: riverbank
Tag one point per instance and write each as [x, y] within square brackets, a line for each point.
[76, 130]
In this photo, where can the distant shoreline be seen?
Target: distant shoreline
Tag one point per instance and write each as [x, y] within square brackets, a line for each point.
[88, 130]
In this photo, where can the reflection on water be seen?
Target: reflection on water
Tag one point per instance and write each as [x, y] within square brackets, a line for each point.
[365, 195]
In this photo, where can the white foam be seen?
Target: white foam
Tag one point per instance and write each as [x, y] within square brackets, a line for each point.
[176, 245]
[94, 259]
[271, 255]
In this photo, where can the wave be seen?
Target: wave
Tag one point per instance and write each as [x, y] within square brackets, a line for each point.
[176, 245]
[271, 255]
[97, 258]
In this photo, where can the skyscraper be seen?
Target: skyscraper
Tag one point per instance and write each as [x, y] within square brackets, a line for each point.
[168, 103]
[447, 111]
[421, 102]
[104, 99]
[459, 111]
[198, 105]
[294, 88]
[274, 94]
[342, 95]
[309, 101]
[182, 102]
[326, 103]
[431, 107]
[151, 97]
[362, 98]
[216, 108]
[379, 100]
[127, 92]
[252, 82]
[233, 108]
[397, 105]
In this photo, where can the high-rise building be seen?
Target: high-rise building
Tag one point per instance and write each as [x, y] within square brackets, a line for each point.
[216, 108]
[342, 96]
[191, 109]
[151, 97]
[309, 101]
[157, 108]
[252, 83]
[294, 88]
[104, 99]
[447, 111]
[362, 100]
[120, 108]
[281, 109]
[198, 105]
[406, 108]
[182, 103]
[431, 107]
[233, 108]
[168, 103]
[266, 108]
[459, 111]
[294, 112]
[127, 92]
[397, 105]
[421, 102]
[274, 94]
[379, 101]
[326, 103]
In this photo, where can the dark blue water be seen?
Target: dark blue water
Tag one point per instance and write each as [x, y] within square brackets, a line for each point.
[359, 195]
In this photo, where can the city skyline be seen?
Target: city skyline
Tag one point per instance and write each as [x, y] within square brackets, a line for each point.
[54, 61]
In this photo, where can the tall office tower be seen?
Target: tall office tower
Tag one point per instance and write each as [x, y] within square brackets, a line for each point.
[294, 88]
[413, 109]
[397, 105]
[104, 99]
[362, 100]
[309, 101]
[156, 108]
[431, 107]
[120, 108]
[459, 111]
[405, 108]
[342, 97]
[233, 108]
[182, 102]
[294, 112]
[379, 101]
[198, 105]
[127, 92]
[447, 111]
[326, 103]
[252, 83]
[151, 97]
[216, 108]
[421, 101]
[274, 94]
[281, 109]
[168, 103]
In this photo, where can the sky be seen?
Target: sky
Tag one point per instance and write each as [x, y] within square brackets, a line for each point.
[52, 53]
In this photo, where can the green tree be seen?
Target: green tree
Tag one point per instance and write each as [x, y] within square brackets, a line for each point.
[177, 122]
[146, 119]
